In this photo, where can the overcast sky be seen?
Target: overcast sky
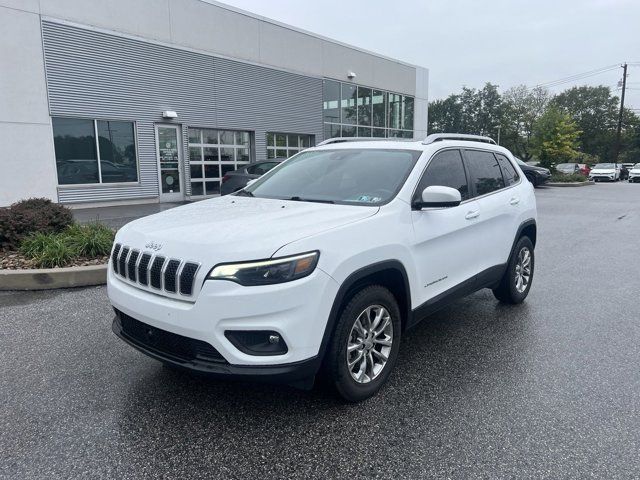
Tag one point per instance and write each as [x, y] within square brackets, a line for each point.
[470, 42]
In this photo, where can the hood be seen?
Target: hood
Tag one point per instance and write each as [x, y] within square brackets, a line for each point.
[603, 170]
[233, 228]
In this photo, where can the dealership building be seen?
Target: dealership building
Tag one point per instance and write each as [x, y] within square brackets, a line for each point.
[108, 102]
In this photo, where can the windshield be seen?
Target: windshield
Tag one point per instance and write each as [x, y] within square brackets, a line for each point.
[605, 166]
[348, 176]
[566, 166]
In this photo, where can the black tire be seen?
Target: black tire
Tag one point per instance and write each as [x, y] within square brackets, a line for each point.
[507, 291]
[335, 363]
[531, 179]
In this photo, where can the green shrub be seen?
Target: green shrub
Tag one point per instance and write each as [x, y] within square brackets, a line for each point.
[564, 178]
[91, 240]
[56, 253]
[30, 216]
[34, 244]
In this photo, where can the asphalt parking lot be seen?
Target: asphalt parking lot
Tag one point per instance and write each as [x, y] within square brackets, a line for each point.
[547, 389]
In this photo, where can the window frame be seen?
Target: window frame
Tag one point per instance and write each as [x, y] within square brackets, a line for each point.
[426, 167]
[95, 121]
[472, 185]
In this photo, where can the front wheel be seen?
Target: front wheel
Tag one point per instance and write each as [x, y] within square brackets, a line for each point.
[365, 344]
[516, 281]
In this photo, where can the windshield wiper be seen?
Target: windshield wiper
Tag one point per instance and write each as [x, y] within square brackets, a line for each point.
[244, 193]
[316, 200]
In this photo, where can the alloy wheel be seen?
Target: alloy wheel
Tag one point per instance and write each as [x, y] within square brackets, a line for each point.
[523, 270]
[369, 344]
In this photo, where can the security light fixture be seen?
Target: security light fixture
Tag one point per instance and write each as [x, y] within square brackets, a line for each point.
[351, 75]
[169, 114]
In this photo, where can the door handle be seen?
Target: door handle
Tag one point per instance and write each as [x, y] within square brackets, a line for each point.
[514, 201]
[472, 215]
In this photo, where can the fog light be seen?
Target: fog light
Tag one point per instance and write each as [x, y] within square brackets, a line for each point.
[257, 342]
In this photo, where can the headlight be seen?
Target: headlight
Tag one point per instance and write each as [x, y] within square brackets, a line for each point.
[267, 272]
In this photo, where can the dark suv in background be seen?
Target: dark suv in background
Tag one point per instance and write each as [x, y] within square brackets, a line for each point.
[536, 175]
[234, 181]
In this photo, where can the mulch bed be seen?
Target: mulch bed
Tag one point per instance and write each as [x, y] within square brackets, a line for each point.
[16, 261]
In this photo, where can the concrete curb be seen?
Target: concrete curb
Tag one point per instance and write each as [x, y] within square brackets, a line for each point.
[50, 278]
[569, 184]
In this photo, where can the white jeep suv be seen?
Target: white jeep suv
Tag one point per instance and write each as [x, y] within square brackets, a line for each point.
[324, 263]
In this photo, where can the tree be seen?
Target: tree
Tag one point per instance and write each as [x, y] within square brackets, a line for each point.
[595, 111]
[555, 138]
[522, 107]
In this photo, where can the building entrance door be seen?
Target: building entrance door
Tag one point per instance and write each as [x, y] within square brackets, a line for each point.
[169, 148]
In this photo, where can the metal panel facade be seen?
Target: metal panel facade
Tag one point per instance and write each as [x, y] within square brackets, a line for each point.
[96, 75]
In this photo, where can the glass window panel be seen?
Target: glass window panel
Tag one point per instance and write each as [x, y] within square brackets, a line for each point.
[379, 102]
[226, 138]
[196, 171]
[242, 138]
[117, 147]
[407, 122]
[210, 154]
[509, 173]
[282, 153]
[211, 171]
[306, 141]
[212, 188]
[195, 135]
[348, 130]
[75, 146]
[170, 179]
[195, 154]
[271, 142]
[484, 170]
[281, 140]
[197, 189]
[395, 109]
[445, 169]
[226, 155]
[379, 132]
[331, 131]
[224, 169]
[349, 110]
[364, 132]
[293, 141]
[364, 106]
[210, 136]
[243, 155]
[271, 153]
[331, 101]
[407, 134]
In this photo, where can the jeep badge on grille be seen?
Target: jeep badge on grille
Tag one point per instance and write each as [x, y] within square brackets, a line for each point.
[153, 246]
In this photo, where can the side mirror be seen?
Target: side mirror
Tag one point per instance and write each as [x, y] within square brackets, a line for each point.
[438, 196]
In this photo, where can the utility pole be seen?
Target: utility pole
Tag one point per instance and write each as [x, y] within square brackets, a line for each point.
[619, 131]
[499, 127]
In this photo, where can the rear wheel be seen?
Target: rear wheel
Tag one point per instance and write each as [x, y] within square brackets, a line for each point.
[365, 344]
[516, 281]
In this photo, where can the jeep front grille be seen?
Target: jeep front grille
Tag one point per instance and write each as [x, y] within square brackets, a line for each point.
[154, 272]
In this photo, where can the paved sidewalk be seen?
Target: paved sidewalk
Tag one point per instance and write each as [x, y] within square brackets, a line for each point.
[116, 217]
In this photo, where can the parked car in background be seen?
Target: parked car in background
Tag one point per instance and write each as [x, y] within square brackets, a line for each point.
[536, 175]
[609, 172]
[238, 179]
[634, 173]
[584, 169]
[624, 172]
[568, 168]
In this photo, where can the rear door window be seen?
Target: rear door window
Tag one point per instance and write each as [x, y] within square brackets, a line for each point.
[509, 173]
[484, 170]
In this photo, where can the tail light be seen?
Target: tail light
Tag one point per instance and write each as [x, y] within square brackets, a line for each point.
[225, 178]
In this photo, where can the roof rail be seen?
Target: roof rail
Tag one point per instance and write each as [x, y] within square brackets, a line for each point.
[438, 137]
[358, 139]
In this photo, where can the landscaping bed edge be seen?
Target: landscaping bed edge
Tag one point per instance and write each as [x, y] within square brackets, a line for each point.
[52, 278]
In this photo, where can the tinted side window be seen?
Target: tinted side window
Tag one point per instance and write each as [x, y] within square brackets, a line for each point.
[511, 177]
[484, 171]
[445, 169]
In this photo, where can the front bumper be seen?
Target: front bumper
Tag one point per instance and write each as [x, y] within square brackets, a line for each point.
[298, 311]
[634, 178]
[606, 178]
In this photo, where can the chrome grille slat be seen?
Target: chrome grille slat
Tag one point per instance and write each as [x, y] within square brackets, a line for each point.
[148, 271]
